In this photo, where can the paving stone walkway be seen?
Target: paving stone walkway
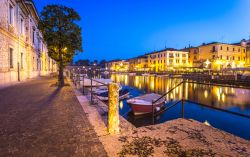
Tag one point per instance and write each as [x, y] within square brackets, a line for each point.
[40, 120]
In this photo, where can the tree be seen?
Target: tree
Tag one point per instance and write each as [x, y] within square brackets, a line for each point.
[61, 34]
[103, 63]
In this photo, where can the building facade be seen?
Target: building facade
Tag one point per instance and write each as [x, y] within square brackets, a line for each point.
[139, 63]
[217, 56]
[167, 60]
[23, 53]
[118, 65]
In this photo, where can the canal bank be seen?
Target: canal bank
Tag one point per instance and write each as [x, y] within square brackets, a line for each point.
[173, 138]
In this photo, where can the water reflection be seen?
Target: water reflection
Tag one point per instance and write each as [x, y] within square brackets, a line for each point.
[217, 96]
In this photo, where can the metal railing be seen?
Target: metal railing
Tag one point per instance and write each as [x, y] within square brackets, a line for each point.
[164, 95]
[184, 100]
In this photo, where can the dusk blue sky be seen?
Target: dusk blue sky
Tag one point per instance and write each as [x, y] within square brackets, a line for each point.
[121, 29]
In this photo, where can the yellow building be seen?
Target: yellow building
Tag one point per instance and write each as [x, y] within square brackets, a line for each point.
[167, 60]
[217, 56]
[118, 66]
[138, 63]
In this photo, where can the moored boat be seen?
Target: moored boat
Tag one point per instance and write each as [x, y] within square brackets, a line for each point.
[143, 104]
[123, 93]
[131, 74]
[145, 74]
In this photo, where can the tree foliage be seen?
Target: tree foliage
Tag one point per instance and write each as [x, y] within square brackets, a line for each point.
[61, 34]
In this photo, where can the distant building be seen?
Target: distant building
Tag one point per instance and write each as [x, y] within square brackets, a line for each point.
[118, 65]
[167, 60]
[23, 53]
[139, 63]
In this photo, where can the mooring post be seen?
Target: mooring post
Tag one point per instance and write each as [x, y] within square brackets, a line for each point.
[91, 94]
[113, 109]
[83, 85]
[182, 100]
[153, 118]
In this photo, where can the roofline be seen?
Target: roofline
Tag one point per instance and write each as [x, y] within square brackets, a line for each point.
[31, 2]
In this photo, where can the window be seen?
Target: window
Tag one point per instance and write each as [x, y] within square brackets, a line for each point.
[213, 49]
[227, 58]
[33, 63]
[177, 60]
[238, 58]
[239, 50]
[227, 49]
[33, 36]
[233, 57]
[11, 15]
[11, 58]
[183, 55]
[37, 65]
[233, 49]
[21, 60]
[171, 55]
[221, 48]
[22, 26]
[220, 56]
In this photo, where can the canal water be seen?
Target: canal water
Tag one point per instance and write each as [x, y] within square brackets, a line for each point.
[228, 98]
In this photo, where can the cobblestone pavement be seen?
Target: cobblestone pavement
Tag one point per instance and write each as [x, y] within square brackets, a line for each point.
[40, 120]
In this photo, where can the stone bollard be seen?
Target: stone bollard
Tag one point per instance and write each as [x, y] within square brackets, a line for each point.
[113, 110]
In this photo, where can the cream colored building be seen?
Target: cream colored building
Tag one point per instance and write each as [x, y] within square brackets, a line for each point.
[139, 63]
[118, 65]
[167, 60]
[23, 53]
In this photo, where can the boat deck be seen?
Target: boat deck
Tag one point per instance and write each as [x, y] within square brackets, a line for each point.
[146, 99]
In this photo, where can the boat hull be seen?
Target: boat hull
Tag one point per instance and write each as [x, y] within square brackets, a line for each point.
[139, 109]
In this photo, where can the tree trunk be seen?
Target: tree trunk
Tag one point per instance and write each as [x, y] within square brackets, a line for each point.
[60, 76]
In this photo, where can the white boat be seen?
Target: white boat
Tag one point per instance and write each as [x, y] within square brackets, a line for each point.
[123, 94]
[106, 72]
[143, 104]
[131, 74]
[145, 74]
[95, 82]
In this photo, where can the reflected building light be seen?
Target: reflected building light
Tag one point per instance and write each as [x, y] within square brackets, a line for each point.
[218, 93]
[226, 90]
[186, 91]
[136, 81]
[220, 90]
[171, 96]
[223, 97]
[205, 94]
[126, 80]
[121, 104]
